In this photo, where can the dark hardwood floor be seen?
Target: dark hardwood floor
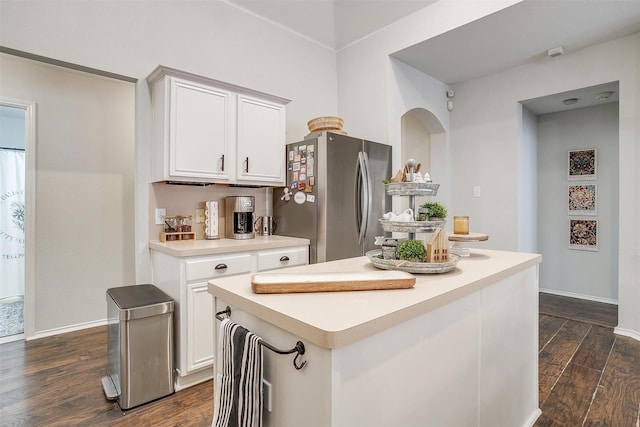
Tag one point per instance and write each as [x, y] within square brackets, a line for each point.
[588, 377]
[592, 312]
[55, 381]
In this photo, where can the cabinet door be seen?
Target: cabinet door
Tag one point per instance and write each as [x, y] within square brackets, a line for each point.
[261, 141]
[199, 327]
[200, 131]
[198, 347]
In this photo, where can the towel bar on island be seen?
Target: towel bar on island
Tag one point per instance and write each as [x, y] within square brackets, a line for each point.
[299, 348]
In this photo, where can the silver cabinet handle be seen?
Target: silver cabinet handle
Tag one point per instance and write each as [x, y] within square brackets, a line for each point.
[284, 259]
[221, 267]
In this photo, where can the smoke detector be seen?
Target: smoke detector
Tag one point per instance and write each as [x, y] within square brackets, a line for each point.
[603, 95]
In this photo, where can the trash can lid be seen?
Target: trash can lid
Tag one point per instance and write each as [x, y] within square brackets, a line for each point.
[127, 297]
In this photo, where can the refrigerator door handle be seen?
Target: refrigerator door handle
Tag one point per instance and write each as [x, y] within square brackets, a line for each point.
[363, 195]
[369, 189]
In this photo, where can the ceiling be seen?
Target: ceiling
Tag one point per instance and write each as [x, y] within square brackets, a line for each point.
[522, 34]
[585, 97]
[332, 23]
[519, 34]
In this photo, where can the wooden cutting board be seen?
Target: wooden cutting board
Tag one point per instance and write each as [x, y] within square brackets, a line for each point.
[280, 283]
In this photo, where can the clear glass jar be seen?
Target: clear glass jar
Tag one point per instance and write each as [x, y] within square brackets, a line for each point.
[171, 226]
[184, 223]
[460, 225]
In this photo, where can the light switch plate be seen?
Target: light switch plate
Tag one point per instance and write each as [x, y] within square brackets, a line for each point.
[160, 214]
[267, 396]
[199, 216]
[476, 191]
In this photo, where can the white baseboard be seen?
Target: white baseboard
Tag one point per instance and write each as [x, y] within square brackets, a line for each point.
[533, 418]
[65, 329]
[579, 296]
[627, 333]
[197, 377]
[11, 338]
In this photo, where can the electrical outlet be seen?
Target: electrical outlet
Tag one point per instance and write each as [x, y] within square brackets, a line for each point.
[476, 191]
[199, 216]
[160, 214]
[267, 396]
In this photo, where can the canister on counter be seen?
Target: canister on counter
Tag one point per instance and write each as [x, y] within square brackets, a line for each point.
[184, 226]
[171, 226]
[184, 223]
[460, 225]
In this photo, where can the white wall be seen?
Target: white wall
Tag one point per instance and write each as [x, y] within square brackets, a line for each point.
[416, 139]
[584, 274]
[527, 183]
[132, 38]
[375, 90]
[412, 90]
[485, 139]
[416, 144]
[84, 231]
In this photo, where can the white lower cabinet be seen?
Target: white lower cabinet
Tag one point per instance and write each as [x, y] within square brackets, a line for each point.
[185, 279]
[198, 351]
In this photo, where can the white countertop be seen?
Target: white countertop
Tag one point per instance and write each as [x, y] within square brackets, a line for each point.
[337, 319]
[224, 246]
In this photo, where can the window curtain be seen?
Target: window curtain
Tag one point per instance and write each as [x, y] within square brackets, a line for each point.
[12, 177]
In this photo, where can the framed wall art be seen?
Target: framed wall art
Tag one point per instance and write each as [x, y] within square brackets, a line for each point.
[581, 199]
[583, 234]
[582, 165]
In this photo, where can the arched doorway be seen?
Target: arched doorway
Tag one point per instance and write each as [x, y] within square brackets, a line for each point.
[423, 138]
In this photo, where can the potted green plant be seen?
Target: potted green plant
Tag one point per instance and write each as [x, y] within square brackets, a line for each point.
[412, 250]
[436, 211]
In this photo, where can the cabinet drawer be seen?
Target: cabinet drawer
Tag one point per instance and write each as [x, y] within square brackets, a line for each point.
[280, 258]
[227, 265]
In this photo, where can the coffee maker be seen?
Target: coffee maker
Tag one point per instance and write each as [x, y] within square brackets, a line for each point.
[239, 217]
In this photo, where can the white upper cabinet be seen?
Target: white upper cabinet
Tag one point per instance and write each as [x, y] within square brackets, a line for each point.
[200, 131]
[214, 132]
[261, 151]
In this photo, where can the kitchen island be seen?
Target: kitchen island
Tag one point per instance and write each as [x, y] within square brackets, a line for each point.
[458, 349]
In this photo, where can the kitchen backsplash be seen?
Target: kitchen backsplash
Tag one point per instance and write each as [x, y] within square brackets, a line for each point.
[185, 199]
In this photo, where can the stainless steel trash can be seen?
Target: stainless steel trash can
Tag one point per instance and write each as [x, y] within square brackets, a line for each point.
[140, 345]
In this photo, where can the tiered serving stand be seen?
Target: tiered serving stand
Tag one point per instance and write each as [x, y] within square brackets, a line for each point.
[411, 190]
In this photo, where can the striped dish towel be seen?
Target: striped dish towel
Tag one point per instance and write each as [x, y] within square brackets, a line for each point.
[238, 387]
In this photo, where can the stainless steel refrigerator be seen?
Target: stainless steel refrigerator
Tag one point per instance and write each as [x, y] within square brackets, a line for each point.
[334, 195]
